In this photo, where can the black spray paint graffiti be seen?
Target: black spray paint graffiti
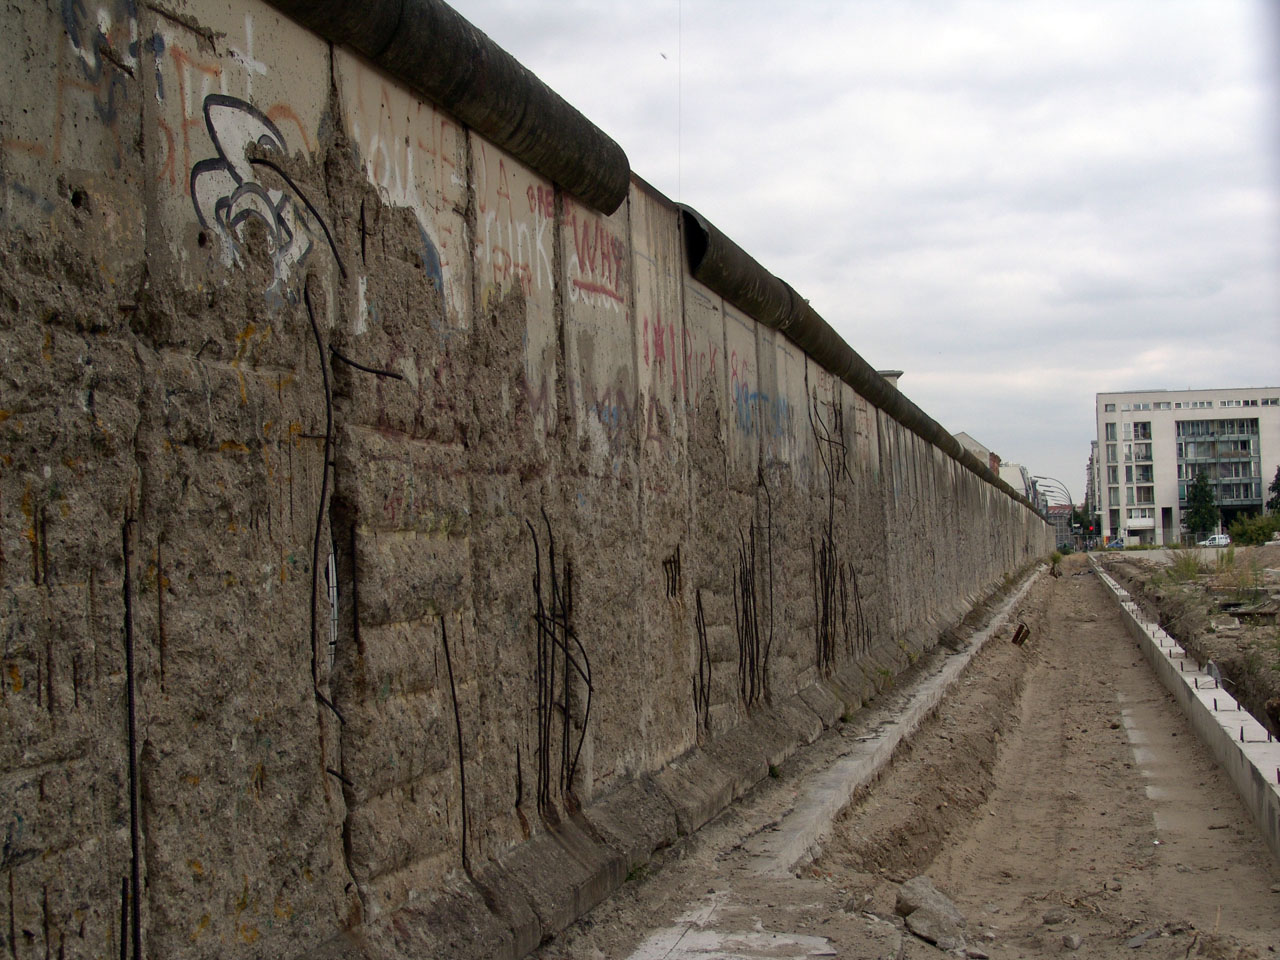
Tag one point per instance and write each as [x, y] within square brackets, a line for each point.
[562, 673]
[754, 640]
[832, 577]
[227, 194]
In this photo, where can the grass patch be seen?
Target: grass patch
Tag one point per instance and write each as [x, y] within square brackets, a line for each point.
[1186, 565]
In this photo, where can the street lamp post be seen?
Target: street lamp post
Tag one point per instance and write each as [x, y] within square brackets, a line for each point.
[1061, 489]
[1065, 492]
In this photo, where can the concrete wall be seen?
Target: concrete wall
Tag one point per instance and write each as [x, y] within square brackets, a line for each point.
[371, 510]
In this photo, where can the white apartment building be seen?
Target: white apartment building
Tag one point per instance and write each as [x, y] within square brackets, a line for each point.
[1152, 444]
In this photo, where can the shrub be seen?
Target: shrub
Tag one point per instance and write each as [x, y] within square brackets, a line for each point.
[1254, 529]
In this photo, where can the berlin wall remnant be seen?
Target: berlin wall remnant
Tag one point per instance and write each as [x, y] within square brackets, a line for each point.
[382, 521]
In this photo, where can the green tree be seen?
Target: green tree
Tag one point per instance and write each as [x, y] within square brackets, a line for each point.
[1202, 509]
[1273, 502]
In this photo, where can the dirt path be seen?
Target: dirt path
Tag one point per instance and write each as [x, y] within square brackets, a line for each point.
[1058, 794]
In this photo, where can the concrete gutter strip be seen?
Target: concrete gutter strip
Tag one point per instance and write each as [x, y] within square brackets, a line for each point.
[1240, 744]
[799, 836]
[440, 55]
[725, 268]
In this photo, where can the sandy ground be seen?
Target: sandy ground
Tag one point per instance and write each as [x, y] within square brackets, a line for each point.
[1057, 797]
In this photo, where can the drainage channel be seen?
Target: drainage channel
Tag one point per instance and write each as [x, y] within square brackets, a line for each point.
[799, 834]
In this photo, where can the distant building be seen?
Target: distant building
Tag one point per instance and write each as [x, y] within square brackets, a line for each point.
[979, 451]
[1153, 443]
[1018, 477]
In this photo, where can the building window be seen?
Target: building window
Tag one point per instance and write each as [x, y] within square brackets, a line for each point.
[1108, 408]
[1146, 494]
[1111, 453]
[1113, 475]
[1128, 496]
[1128, 430]
[1142, 430]
[1271, 401]
[1143, 473]
[1142, 451]
[1128, 474]
[1111, 431]
[1162, 405]
[1113, 496]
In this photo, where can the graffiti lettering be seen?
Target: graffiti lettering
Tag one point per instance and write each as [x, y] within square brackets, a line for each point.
[399, 140]
[542, 201]
[596, 273]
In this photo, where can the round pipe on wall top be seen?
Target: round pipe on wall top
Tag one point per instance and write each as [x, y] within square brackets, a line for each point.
[440, 55]
[725, 268]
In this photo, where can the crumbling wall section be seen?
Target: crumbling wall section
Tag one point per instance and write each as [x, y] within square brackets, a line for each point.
[394, 544]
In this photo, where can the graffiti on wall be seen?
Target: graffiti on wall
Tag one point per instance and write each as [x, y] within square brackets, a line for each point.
[515, 229]
[103, 75]
[411, 153]
[229, 193]
[596, 263]
[95, 62]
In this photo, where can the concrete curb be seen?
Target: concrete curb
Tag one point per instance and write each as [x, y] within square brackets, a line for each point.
[1239, 743]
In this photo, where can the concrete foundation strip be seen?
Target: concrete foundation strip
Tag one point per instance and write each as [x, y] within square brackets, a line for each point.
[799, 836]
[1239, 743]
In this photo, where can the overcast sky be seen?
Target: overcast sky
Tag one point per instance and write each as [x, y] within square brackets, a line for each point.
[1018, 202]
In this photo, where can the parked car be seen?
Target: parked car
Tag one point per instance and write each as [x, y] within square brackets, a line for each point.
[1116, 544]
[1217, 540]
